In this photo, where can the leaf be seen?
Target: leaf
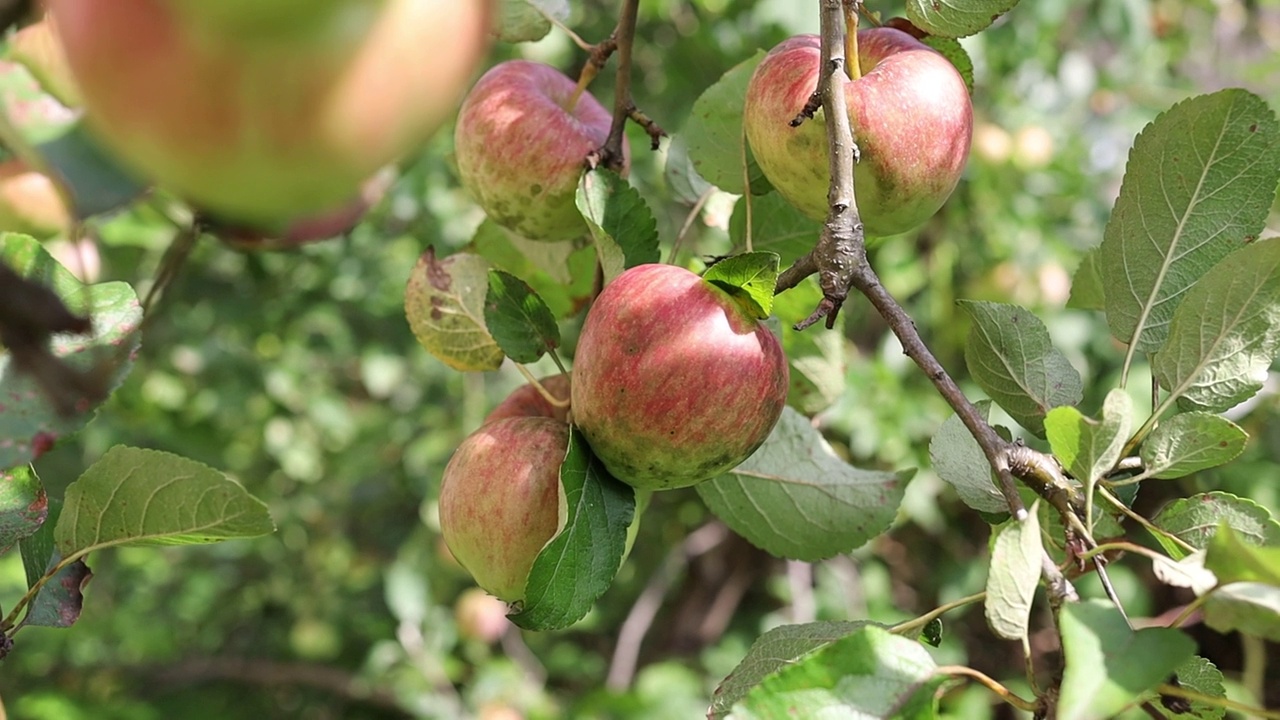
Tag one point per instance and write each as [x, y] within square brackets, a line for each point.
[960, 462]
[59, 600]
[795, 499]
[1198, 184]
[773, 651]
[578, 564]
[1108, 665]
[1195, 519]
[29, 422]
[1189, 572]
[870, 673]
[1010, 355]
[816, 355]
[444, 303]
[526, 20]
[1191, 442]
[1087, 291]
[776, 226]
[33, 114]
[1200, 675]
[686, 184]
[1089, 448]
[956, 18]
[23, 505]
[518, 320]
[132, 496]
[1226, 332]
[93, 179]
[621, 224]
[560, 272]
[1251, 608]
[1234, 560]
[1013, 575]
[715, 136]
[749, 278]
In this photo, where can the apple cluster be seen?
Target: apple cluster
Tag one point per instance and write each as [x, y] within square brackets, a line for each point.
[674, 382]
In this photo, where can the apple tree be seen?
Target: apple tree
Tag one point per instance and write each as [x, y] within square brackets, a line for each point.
[711, 319]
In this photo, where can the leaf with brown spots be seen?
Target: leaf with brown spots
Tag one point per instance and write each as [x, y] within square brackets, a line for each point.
[444, 304]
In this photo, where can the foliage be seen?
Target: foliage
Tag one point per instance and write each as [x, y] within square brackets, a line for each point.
[810, 577]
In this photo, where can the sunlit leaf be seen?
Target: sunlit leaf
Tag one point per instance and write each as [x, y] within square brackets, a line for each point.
[1012, 577]
[749, 278]
[1198, 184]
[830, 506]
[714, 132]
[1190, 442]
[1090, 448]
[1225, 334]
[578, 564]
[1087, 291]
[620, 221]
[956, 18]
[1195, 519]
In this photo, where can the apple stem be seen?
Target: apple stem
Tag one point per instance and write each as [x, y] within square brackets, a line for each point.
[852, 65]
[545, 393]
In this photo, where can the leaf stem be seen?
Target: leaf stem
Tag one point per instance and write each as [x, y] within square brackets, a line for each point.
[1001, 691]
[1150, 527]
[909, 626]
[597, 57]
[545, 393]
[1192, 695]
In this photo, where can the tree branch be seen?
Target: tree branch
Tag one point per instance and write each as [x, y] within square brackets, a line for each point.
[610, 154]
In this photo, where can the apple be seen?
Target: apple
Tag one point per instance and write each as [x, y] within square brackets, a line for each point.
[521, 148]
[322, 226]
[480, 616]
[911, 118]
[30, 202]
[674, 382]
[526, 401]
[266, 112]
[500, 500]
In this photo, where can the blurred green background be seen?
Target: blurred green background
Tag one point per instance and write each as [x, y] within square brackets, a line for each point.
[297, 374]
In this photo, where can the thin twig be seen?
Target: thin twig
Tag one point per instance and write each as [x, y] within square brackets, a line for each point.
[1001, 691]
[610, 154]
[915, 624]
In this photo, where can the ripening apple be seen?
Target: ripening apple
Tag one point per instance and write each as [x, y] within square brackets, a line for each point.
[674, 382]
[30, 202]
[521, 144]
[268, 111]
[911, 118]
[321, 226]
[526, 401]
[500, 500]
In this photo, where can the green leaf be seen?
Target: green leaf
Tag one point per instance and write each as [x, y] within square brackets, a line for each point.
[132, 496]
[1189, 572]
[526, 20]
[1198, 185]
[621, 224]
[1089, 448]
[518, 320]
[776, 226]
[714, 132]
[578, 564]
[93, 179]
[870, 673]
[794, 498]
[35, 115]
[562, 273]
[952, 50]
[1234, 560]
[749, 278]
[60, 599]
[773, 651]
[29, 422]
[1010, 355]
[956, 18]
[1013, 575]
[23, 505]
[686, 184]
[444, 303]
[960, 462]
[816, 355]
[1200, 675]
[1108, 665]
[1251, 608]
[1087, 290]
[1226, 332]
[1196, 519]
[1191, 442]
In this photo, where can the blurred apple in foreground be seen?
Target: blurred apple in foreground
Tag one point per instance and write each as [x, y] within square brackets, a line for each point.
[266, 112]
[521, 144]
[500, 500]
[911, 118]
[674, 382]
[308, 229]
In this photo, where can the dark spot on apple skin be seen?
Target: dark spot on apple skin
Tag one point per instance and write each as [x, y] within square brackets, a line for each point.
[536, 190]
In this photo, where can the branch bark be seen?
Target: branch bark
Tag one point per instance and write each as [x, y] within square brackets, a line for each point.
[610, 154]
